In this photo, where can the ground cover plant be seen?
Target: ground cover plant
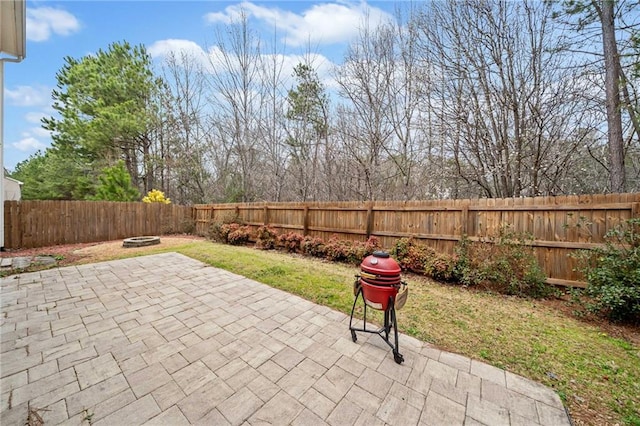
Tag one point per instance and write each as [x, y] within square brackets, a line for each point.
[594, 366]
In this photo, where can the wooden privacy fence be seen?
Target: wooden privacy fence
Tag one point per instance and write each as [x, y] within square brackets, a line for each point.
[559, 225]
[30, 224]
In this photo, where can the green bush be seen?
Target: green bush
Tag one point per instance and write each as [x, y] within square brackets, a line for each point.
[266, 237]
[412, 256]
[504, 263]
[613, 274]
[442, 267]
[115, 184]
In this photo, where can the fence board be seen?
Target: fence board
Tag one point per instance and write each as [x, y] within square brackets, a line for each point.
[30, 224]
[559, 225]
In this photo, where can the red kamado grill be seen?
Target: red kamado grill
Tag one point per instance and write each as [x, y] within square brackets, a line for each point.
[381, 288]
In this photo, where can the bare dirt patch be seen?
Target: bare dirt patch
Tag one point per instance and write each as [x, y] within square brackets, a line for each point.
[73, 254]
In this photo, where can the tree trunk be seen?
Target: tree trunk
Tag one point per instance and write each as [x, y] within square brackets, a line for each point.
[612, 89]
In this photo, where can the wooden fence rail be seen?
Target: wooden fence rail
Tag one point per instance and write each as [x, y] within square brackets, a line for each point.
[559, 225]
[30, 224]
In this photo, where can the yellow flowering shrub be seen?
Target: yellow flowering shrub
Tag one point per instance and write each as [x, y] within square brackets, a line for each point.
[156, 196]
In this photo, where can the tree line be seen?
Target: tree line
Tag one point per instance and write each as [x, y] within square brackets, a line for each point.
[450, 100]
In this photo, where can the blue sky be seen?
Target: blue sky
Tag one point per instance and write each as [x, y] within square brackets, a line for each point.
[56, 29]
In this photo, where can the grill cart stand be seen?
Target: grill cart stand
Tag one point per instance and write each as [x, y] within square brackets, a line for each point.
[389, 323]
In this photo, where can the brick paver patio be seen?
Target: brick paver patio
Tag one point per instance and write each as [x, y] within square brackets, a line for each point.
[168, 340]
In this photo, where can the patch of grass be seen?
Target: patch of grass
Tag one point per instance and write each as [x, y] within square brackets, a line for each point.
[321, 282]
[596, 375]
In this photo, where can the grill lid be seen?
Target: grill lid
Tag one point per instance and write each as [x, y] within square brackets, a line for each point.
[381, 264]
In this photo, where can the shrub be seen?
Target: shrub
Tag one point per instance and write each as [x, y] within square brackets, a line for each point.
[613, 274]
[504, 263]
[156, 196]
[291, 241]
[216, 231]
[360, 250]
[442, 267]
[338, 250]
[462, 269]
[266, 237]
[115, 184]
[412, 256]
[313, 246]
[225, 229]
[188, 226]
[237, 235]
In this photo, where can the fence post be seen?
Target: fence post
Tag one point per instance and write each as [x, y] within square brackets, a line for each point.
[305, 225]
[265, 214]
[369, 220]
[465, 220]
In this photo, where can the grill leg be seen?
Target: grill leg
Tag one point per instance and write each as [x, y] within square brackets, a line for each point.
[387, 323]
[397, 356]
[353, 308]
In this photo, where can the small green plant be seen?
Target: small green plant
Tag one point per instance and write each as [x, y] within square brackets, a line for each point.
[504, 263]
[613, 274]
[188, 226]
[462, 269]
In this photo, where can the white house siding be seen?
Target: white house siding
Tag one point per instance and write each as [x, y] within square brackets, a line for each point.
[12, 189]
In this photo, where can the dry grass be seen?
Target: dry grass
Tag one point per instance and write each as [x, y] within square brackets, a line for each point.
[114, 250]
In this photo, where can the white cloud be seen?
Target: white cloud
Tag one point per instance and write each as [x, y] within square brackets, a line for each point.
[42, 22]
[186, 50]
[164, 48]
[35, 117]
[213, 60]
[28, 143]
[320, 63]
[28, 96]
[326, 23]
[40, 132]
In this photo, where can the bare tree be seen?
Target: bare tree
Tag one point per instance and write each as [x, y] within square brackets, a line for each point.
[272, 134]
[502, 102]
[182, 148]
[410, 151]
[235, 99]
[364, 81]
[604, 23]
